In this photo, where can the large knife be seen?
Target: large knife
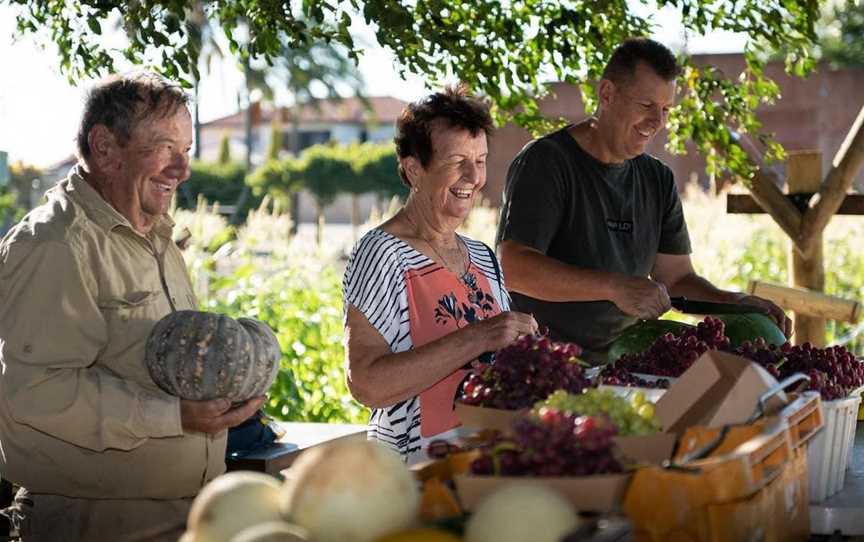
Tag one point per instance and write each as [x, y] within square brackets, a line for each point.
[709, 307]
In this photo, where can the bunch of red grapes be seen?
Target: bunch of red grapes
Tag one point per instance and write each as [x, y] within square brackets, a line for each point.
[615, 375]
[551, 443]
[525, 372]
[670, 355]
[834, 371]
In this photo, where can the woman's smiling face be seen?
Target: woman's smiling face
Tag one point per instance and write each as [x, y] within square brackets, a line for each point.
[451, 182]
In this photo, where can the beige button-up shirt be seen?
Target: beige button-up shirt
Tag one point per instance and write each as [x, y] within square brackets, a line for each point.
[80, 416]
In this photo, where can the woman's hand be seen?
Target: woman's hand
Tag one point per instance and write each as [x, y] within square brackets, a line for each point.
[503, 329]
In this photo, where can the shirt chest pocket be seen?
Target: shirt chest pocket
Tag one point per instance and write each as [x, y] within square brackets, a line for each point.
[130, 317]
[125, 305]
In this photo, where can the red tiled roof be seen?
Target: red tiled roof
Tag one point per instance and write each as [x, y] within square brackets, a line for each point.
[380, 109]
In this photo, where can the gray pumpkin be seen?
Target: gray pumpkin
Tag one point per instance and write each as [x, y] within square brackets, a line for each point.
[203, 355]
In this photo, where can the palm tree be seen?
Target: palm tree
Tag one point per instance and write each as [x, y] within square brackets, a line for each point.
[302, 69]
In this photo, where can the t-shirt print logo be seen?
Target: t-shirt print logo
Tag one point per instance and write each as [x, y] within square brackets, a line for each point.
[623, 226]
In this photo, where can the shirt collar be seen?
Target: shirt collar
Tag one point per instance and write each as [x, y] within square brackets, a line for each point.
[101, 212]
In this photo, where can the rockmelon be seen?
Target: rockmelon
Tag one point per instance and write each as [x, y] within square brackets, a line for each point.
[233, 502]
[353, 490]
[521, 512]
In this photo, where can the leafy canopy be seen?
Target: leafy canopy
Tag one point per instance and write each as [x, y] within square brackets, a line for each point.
[506, 51]
[842, 43]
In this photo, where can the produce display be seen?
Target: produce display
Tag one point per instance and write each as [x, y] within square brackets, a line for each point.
[632, 418]
[551, 442]
[203, 355]
[531, 482]
[525, 372]
[670, 355]
[639, 337]
[834, 371]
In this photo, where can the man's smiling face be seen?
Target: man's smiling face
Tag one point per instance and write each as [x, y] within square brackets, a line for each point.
[637, 109]
[154, 162]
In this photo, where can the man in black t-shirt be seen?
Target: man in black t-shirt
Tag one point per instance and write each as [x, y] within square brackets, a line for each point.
[592, 236]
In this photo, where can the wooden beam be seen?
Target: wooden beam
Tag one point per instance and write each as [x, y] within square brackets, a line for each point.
[853, 204]
[847, 163]
[808, 302]
[803, 171]
[775, 203]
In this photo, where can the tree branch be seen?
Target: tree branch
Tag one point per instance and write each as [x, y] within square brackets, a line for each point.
[847, 162]
[765, 191]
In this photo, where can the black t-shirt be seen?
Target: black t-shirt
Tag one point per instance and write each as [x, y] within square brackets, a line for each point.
[568, 205]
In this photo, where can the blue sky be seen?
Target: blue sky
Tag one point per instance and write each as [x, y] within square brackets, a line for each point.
[39, 110]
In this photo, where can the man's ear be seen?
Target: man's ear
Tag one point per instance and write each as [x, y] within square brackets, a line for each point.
[104, 148]
[606, 92]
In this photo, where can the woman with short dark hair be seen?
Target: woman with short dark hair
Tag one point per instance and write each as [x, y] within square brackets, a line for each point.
[421, 301]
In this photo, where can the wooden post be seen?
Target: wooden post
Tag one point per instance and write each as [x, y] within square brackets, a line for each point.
[804, 176]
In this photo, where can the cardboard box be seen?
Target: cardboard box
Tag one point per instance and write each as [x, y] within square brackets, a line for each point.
[599, 493]
[487, 418]
[718, 389]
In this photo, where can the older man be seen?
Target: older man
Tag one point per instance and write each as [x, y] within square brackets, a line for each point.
[105, 454]
[592, 235]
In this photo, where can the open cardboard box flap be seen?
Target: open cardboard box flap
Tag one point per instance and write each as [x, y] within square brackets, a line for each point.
[487, 418]
[718, 389]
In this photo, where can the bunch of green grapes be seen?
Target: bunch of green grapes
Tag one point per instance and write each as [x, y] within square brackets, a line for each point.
[633, 417]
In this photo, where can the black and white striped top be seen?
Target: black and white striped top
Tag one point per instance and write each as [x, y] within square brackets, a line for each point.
[375, 284]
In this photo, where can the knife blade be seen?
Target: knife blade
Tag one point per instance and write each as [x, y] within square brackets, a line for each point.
[689, 306]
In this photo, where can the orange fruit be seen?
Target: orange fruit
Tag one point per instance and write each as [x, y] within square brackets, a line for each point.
[421, 534]
[437, 501]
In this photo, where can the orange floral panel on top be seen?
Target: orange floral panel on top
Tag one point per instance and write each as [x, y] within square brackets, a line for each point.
[440, 303]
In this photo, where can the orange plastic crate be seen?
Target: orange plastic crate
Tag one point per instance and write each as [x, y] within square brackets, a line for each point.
[756, 490]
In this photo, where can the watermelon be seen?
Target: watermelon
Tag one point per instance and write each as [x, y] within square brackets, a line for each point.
[749, 327]
[638, 337]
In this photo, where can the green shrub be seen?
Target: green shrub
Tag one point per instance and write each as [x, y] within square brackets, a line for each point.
[10, 212]
[217, 183]
[305, 311]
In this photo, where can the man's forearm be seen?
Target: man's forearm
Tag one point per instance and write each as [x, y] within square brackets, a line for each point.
[536, 275]
[694, 286]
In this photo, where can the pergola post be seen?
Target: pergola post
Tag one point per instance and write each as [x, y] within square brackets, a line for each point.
[803, 179]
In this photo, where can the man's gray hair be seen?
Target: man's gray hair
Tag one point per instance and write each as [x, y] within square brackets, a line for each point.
[120, 102]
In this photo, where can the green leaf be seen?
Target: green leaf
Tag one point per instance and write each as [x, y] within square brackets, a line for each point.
[94, 25]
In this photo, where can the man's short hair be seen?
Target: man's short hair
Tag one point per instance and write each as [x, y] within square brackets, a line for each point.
[120, 102]
[622, 64]
[454, 105]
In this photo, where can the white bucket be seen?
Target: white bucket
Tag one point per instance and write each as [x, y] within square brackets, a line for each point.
[829, 453]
